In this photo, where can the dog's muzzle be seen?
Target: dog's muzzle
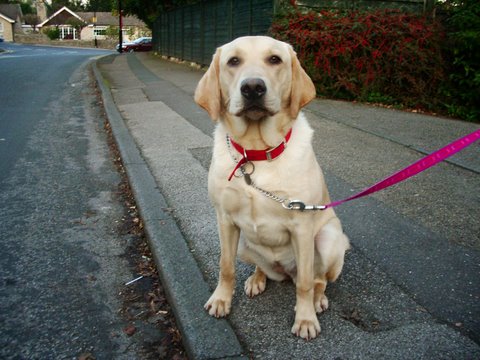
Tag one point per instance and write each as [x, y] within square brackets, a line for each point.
[253, 92]
[253, 89]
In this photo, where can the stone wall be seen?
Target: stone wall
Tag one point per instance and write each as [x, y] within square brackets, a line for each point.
[42, 39]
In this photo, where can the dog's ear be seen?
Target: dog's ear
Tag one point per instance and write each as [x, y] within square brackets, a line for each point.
[303, 90]
[207, 93]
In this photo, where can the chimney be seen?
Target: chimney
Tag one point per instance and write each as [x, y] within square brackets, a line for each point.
[41, 10]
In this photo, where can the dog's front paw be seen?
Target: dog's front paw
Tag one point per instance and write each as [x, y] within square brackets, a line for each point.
[218, 306]
[306, 329]
[255, 284]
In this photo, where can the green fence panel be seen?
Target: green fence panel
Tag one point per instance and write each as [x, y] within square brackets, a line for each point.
[241, 18]
[194, 32]
[197, 38]
[261, 16]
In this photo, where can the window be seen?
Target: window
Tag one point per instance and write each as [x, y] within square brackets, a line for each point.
[100, 31]
[68, 32]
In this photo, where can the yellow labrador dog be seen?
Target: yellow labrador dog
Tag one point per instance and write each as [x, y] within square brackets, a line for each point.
[263, 158]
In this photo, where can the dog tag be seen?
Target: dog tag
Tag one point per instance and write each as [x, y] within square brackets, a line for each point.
[248, 179]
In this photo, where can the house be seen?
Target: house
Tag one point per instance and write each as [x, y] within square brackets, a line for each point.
[100, 24]
[10, 21]
[64, 19]
[88, 26]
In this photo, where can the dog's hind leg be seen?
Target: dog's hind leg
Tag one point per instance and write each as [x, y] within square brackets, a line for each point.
[331, 244]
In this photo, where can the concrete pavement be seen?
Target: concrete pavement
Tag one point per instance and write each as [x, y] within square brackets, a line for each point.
[411, 285]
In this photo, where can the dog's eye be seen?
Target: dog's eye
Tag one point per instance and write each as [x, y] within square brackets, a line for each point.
[274, 60]
[233, 61]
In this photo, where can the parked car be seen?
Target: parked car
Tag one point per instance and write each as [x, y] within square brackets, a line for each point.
[140, 44]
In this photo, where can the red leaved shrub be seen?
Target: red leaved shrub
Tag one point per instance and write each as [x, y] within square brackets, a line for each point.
[379, 56]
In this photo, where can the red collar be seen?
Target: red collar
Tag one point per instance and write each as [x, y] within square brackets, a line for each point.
[258, 155]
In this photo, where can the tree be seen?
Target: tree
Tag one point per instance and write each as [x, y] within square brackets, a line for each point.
[33, 20]
[26, 6]
[149, 10]
[77, 24]
[100, 5]
[74, 5]
[145, 10]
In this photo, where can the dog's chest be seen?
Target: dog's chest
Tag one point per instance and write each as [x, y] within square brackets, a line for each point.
[259, 218]
[267, 233]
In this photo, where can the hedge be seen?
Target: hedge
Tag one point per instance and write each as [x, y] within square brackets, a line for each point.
[377, 56]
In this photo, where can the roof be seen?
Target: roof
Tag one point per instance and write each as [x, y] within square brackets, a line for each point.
[11, 12]
[7, 18]
[103, 18]
[59, 17]
[106, 18]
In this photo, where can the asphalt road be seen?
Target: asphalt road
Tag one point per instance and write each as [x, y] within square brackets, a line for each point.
[32, 77]
[64, 259]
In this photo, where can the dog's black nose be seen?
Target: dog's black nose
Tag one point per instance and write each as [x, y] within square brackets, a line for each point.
[253, 88]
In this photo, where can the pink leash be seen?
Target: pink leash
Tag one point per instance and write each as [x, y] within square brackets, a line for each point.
[417, 167]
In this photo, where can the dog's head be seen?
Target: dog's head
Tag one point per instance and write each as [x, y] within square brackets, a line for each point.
[253, 79]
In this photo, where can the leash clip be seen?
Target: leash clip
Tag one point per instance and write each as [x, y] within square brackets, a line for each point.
[299, 205]
[294, 205]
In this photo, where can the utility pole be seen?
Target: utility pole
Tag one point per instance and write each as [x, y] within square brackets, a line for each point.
[95, 27]
[120, 34]
[94, 4]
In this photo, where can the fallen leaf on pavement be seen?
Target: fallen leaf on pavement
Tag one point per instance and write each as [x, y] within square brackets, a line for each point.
[86, 356]
[130, 330]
